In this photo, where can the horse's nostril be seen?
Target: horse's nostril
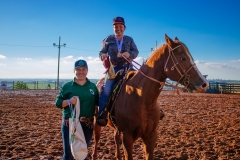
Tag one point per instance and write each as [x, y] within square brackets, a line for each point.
[204, 85]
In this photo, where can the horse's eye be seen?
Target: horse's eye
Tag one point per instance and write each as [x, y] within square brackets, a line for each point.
[183, 59]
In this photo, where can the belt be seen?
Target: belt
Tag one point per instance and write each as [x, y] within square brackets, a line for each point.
[81, 119]
[87, 121]
[84, 119]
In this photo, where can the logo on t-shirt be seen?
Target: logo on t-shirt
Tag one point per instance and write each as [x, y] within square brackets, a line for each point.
[91, 91]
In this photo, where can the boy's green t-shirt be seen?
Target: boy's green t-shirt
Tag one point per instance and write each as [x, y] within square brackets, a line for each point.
[88, 95]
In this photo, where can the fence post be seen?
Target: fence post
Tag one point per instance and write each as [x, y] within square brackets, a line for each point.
[55, 85]
[13, 85]
[220, 89]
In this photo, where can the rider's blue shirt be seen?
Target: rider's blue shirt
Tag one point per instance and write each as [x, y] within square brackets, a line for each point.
[109, 47]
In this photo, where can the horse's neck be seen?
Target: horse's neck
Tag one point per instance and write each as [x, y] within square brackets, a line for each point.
[153, 69]
[154, 66]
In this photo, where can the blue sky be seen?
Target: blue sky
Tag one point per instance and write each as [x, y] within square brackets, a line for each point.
[28, 28]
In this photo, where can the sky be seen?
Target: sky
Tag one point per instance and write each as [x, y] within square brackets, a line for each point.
[28, 28]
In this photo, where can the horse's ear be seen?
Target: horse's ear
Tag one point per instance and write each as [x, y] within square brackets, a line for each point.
[169, 41]
[176, 40]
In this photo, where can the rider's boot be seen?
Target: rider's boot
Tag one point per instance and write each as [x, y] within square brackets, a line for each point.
[102, 119]
[161, 114]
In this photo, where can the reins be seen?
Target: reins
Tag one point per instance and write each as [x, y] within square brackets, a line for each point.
[172, 56]
[139, 70]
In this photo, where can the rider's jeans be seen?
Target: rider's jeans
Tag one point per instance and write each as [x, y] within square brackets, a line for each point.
[107, 88]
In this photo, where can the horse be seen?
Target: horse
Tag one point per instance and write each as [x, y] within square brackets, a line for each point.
[136, 110]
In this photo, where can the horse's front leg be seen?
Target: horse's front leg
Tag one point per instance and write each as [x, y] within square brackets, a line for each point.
[97, 133]
[117, 139]
[128, 146]
[150, 142]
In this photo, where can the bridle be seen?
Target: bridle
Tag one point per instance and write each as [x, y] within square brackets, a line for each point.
[171, 56]
[184, 75]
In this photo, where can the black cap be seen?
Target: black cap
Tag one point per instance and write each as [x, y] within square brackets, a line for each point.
[118, 20]
[80, 63]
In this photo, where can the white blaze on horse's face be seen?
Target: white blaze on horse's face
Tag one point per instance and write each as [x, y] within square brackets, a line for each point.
[202, 84]
[181, 68]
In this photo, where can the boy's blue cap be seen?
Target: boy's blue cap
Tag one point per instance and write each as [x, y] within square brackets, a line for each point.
[80, 63]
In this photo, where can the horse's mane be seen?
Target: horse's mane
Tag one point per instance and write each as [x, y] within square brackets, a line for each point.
[155, 55]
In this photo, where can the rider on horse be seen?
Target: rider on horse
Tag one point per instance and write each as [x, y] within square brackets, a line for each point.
[114, 48]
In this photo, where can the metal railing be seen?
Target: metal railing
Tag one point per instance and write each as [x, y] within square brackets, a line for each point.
[46, 84]
[217, 87]
[31, 85]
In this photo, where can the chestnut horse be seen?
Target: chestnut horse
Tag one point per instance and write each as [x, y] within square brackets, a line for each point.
[136, 109]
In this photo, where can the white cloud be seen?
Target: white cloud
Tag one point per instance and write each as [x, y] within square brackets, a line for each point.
[90, 57]
[68, 57]
[238, 60]
[2, 56]
[80, 58]
[216, 70]
[215, 65]
[25, 59]
[47, 68]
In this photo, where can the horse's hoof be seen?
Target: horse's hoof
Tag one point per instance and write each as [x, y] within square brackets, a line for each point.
[162, 115]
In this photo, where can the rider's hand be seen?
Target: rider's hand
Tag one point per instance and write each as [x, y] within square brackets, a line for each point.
[126, 54]
[73, 100]
[103, 56]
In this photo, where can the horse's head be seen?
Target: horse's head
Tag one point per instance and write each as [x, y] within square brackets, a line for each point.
[180, 67]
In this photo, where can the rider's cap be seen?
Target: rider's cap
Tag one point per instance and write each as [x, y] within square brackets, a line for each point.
[118, 20]
[80, 63]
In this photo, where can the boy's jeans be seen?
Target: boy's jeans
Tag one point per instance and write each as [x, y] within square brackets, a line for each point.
[67, 155]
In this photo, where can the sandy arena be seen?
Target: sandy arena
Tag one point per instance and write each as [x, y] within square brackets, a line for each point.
[196, 126]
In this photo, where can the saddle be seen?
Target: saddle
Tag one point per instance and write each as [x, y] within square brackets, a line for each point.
[121, 76]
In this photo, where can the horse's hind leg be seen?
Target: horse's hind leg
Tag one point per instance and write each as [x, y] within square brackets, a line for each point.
[118, 143]
[128, 146]
[97, 133]
[150, 142]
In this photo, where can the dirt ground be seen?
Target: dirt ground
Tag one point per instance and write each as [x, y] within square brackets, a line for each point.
[196, 126]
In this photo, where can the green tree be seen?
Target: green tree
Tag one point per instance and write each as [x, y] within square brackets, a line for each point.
[21, 85]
